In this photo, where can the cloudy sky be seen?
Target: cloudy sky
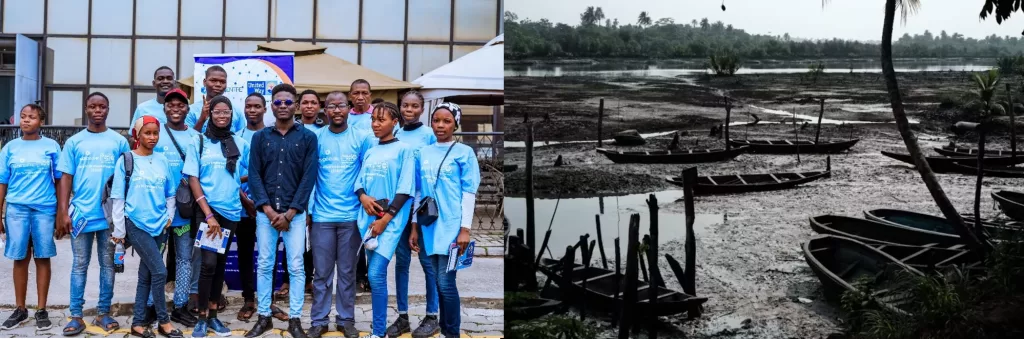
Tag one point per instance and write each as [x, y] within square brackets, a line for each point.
[847, 19]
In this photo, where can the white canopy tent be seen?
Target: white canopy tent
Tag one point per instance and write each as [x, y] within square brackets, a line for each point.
[477, 78]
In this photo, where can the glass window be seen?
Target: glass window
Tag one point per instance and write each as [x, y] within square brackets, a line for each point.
[475, 20]
[425, 58]
[109, 62]
[241, 46]
[65, 108]
[384, 20]
[156, 17]
[112, 17]
[191, 47]
[348, 52]
[151, 54]
[430, 20]
[142, 96]
[23, 16]
[384, 58]
[462, 50]
[68, 62]
[120, 106]
[337, 19]
[293, 19]
[248, 23]
[203, 18]
[68, 17]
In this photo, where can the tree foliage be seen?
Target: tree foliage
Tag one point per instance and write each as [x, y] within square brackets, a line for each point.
[664, 39]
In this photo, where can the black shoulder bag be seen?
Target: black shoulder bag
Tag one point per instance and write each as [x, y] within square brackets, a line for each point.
[183, 199]
[428, 212]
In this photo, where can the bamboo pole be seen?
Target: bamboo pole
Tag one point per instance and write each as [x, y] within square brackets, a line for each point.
[531, 224]
[618, 280]
[600, 242]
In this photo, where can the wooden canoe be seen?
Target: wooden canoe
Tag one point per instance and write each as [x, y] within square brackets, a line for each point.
[839, 263]
[944, 164]
[531, 309]
[931, 258]
[874, 232]
[744, 183]
[689, 156]
[601, 290]
[973, 152]
[902, 218]
[997, 172]
[793, 146]
[1011, 203]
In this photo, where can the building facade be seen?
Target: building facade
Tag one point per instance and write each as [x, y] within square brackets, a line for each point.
[113, 46]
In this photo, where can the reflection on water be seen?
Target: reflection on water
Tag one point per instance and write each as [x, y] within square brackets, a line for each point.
[610, 70]
[576, 217]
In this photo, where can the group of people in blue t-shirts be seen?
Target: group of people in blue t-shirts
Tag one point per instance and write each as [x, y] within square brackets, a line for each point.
[347, 192]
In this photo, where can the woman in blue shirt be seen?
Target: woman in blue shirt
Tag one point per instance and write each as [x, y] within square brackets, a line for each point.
[388, 172]
[449, 173]
[215, 167]
[142, 214]
[27, 179]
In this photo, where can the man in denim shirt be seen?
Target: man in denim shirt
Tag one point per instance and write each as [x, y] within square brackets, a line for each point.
[282, 172]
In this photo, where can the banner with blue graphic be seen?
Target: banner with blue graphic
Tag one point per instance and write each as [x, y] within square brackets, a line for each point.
[247, 73]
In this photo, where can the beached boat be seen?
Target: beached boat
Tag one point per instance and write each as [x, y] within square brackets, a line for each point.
[902, 218]
[944, 164]
[997, 172]
[972, 152]
[743, 183]
[601, 291]
[784, 146]
[842, 263]
[1011, 203]
[689, 156]
[880, 233]
[934, 258]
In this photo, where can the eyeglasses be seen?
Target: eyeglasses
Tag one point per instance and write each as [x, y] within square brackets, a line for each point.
[219, 112]
[285, 102]
[334, 107]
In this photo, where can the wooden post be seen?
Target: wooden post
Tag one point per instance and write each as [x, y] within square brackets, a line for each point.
[600, 242]
[690, 247]
[543, 246]
[566, 284]
[600, 122]
[728, 114]
[652, 251]
[600, 204]
[618, 280]
[1013, 126]
[796, 134]
[531, 224]
[643, 263]
[977, 186]
[817, 131]
[629, 300]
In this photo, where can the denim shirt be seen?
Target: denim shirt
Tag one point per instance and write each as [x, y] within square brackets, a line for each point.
[283, 168]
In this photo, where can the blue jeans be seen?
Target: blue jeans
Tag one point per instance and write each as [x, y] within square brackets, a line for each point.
[25, 225]
[450, 318]
[82, 249]
[183, 260]
[377, 269]
[152, 274]
[335, 244]
[295, 246]
[403, 256]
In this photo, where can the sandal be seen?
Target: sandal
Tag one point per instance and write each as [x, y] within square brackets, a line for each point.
[74, 327]
[246, 312]
[104, 322]
[222, 304]
[282, 292]
[278, 314]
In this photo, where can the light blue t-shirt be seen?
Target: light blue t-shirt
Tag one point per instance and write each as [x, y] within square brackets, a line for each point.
[340, 156]
[28, 168]
[165, 147]
[246, 134]
[90, 158]
[238, 121]
[312, 127]
[361, 121]
[388, 170]
[419, 137]
[151, 108]
[219, 185]
[460, 173]
[150, 186]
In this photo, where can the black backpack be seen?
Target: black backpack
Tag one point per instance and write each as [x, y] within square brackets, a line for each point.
[185, 203]
[129, 167]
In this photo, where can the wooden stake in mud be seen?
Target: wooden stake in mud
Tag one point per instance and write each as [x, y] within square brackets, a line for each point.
[1013, 126]
[566, 284]
[652, 249]
[728, 114]
[643, 263]
[618, 280]
[600, 242]
[817, 131]
[690, 284]
[796, 134]
[531, 227]
[543, 246]
[961, 127]
[629, 297]
[600, 121]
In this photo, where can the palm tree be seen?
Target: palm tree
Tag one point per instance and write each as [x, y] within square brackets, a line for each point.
[900, 115]
[643, 19]
[982, 99]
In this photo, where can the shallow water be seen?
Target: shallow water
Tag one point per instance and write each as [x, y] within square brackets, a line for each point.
[575, 217]
[670, 70]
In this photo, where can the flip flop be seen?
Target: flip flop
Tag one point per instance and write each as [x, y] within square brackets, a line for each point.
[282, 292]
[278, 314]
[247, 311]
[106, 322]
[78, 327]
[222, 304]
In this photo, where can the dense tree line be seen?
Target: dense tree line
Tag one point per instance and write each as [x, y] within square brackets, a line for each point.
[598, 37]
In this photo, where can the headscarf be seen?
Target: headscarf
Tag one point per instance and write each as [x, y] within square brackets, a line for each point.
[451, 107]
[223, 135]
[137, 127]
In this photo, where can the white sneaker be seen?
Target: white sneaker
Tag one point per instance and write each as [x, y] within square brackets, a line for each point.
[369, 336]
